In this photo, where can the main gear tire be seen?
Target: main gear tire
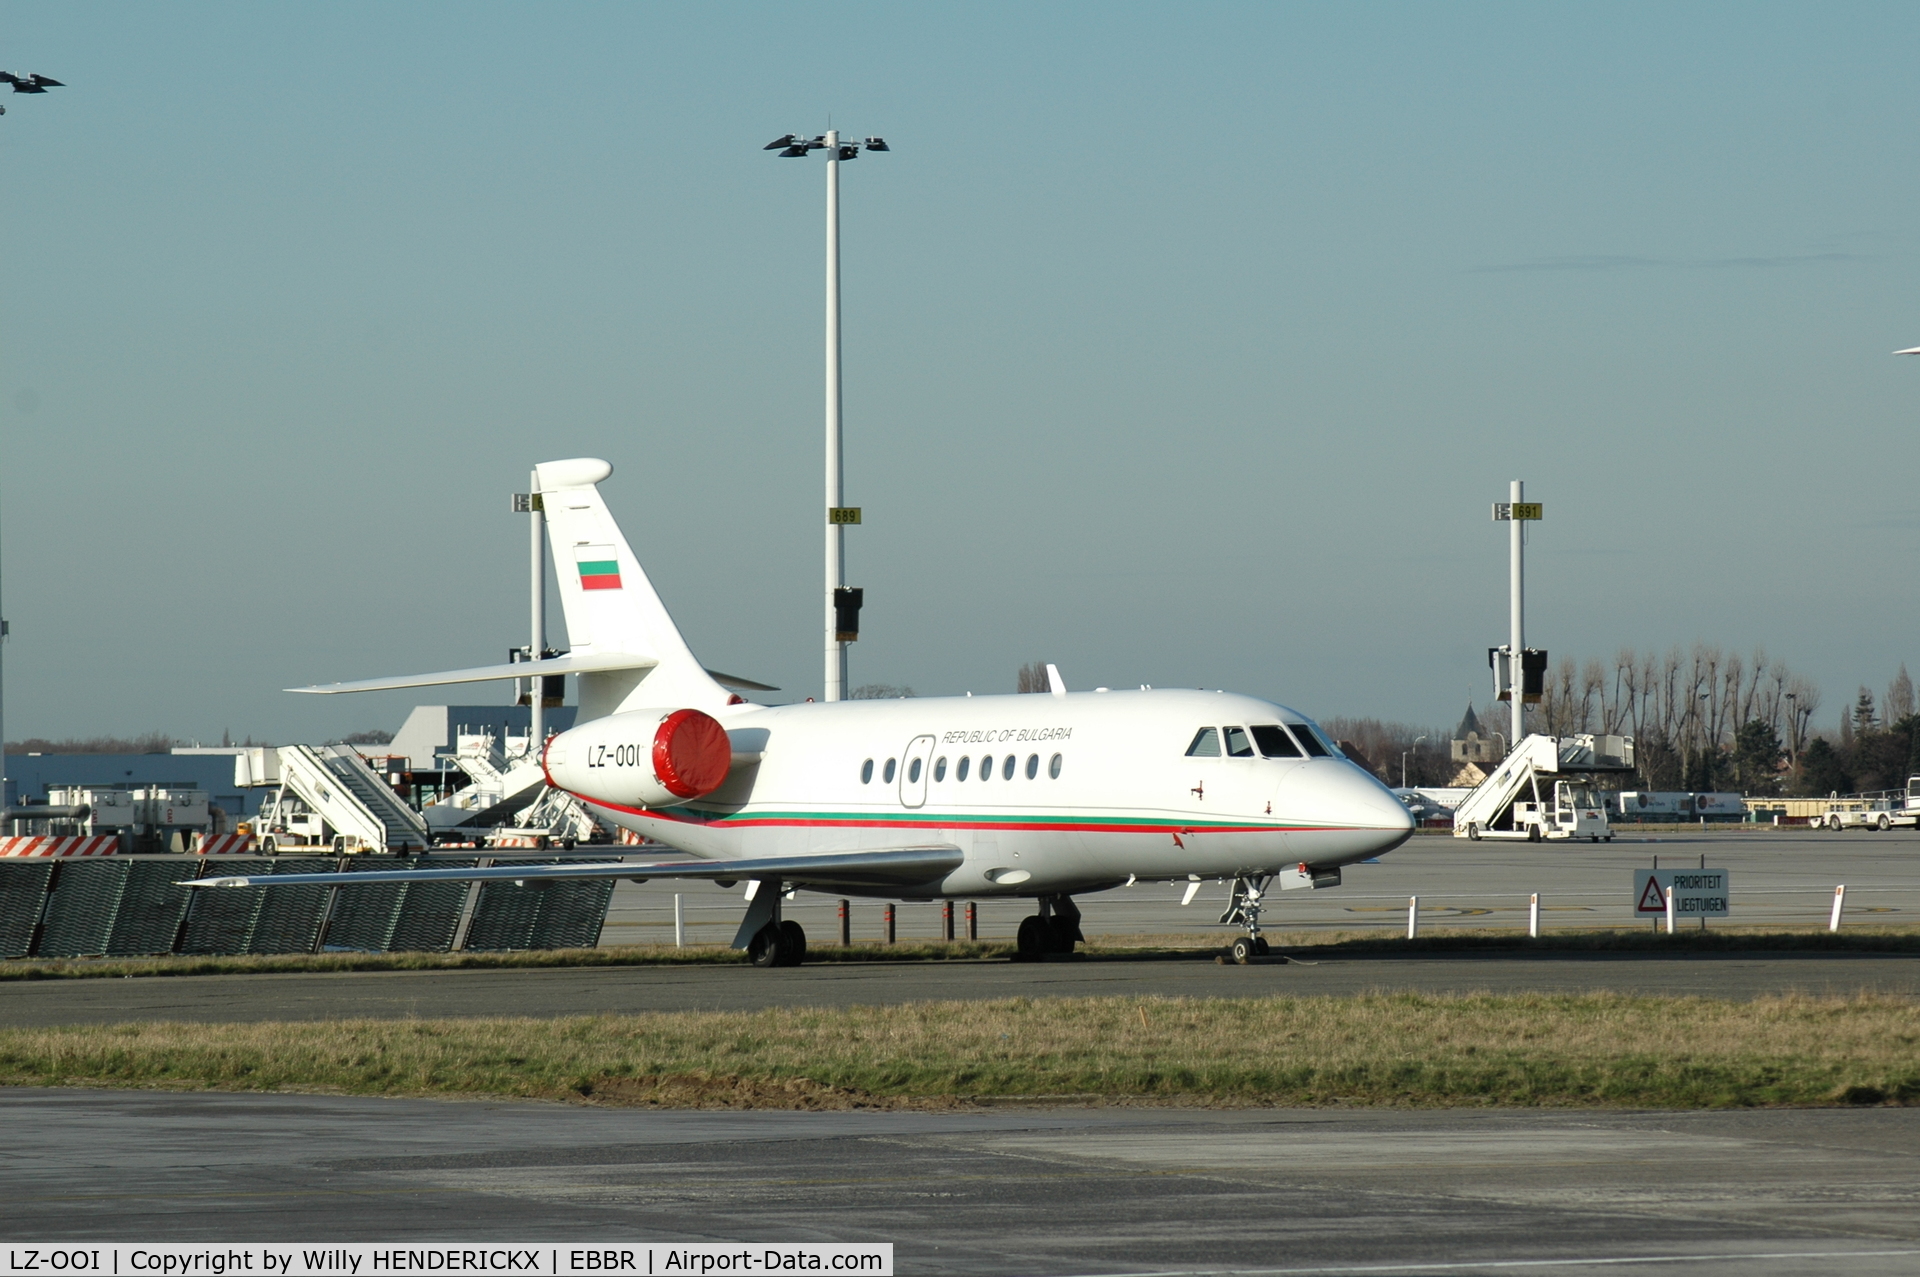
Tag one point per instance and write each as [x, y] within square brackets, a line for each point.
[768, 947]
[1034, 938]
[793, 944]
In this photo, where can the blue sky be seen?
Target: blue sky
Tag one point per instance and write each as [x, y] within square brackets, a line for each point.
[1185, 344]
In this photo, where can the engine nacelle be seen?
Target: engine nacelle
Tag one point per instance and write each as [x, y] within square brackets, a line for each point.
[643, 759]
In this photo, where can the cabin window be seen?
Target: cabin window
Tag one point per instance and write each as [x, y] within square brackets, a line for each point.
[1053, 768]
[1206, 744]
[1033, 766]
[887, 775]
[1238, 746]
[1274, 741]
[940, 768]
[866, 772]
[986, 767]
[1310, 740]
[960, 768]
[913, 772]
[1006, 768]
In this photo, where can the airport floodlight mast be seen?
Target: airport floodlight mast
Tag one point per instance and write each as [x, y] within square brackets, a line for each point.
[34, 83]
[843, 604]
[1519, 673]
[529, 502]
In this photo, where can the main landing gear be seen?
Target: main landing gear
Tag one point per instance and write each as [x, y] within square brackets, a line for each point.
[1243, 909]
[1055, 929]
[778, 944]
[770, 941]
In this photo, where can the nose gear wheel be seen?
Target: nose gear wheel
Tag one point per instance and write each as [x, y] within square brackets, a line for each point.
[1243, 909]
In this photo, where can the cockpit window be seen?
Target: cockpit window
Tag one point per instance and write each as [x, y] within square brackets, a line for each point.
[1238, 746]
[1206, 744]
[1310, 740]
[1274, 741]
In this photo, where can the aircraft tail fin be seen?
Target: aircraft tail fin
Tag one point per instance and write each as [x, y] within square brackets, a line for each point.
[610, 605]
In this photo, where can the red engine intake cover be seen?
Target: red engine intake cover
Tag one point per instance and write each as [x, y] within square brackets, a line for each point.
[691, 753]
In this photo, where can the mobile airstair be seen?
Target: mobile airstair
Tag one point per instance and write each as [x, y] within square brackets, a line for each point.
[1512, 802]
[327, 796]
[504, 782]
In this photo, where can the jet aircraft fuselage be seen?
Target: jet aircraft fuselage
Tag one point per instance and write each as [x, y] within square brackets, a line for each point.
[1043, 793]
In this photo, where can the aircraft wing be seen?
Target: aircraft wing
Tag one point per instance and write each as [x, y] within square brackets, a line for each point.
[899, 867]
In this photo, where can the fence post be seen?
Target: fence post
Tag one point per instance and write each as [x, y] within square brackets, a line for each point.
[1533, 916]
[1413, 916]
[946, 919]
[679, 923]
[846, 924]
[1669, 910]
[1839, 902]
[889, 924]
[973, 921]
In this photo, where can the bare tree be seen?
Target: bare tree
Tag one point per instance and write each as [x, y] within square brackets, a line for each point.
[1899, 703]
[1033, 678]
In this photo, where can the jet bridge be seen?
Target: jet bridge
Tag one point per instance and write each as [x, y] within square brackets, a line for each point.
[327, 796]
[1513, 803]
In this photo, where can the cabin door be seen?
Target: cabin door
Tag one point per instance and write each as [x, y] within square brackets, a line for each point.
[913, 771]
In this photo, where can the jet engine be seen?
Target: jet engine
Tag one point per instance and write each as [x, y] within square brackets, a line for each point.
[644, 759]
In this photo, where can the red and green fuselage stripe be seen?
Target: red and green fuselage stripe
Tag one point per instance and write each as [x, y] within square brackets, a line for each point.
[940, 820]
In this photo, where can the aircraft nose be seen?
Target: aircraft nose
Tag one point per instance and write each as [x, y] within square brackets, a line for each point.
[1374, 806]
[1344, 810]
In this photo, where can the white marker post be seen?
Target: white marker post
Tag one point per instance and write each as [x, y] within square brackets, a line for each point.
[679, 923]
[1839, 903]
[1413, 916]
[1533, 916]
[1669, 910]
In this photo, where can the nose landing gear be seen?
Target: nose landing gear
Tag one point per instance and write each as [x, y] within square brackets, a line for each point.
[1243, 909]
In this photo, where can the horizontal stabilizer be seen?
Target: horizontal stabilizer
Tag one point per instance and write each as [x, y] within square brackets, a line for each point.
[573, 663]
[907, 866]
[739, 684]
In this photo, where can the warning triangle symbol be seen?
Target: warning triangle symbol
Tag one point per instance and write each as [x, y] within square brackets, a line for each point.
[1651, 901]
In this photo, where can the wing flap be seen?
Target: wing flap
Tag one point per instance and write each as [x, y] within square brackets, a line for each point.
[899, 867]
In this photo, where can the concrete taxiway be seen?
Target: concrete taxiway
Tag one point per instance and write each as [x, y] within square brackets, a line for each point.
[1042, 1191]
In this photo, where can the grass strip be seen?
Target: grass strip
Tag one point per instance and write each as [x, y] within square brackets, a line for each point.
[1308, 944]
[1381, 1049]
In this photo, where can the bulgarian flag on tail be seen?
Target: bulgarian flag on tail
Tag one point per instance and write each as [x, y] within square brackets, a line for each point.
[599, 567]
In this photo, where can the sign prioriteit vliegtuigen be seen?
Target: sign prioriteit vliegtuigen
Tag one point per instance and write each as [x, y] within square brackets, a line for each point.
[1697, 893]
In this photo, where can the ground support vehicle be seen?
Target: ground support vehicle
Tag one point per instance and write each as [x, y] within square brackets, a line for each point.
[1868, 813]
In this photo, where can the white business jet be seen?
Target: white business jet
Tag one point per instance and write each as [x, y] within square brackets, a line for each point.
[916, 799]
